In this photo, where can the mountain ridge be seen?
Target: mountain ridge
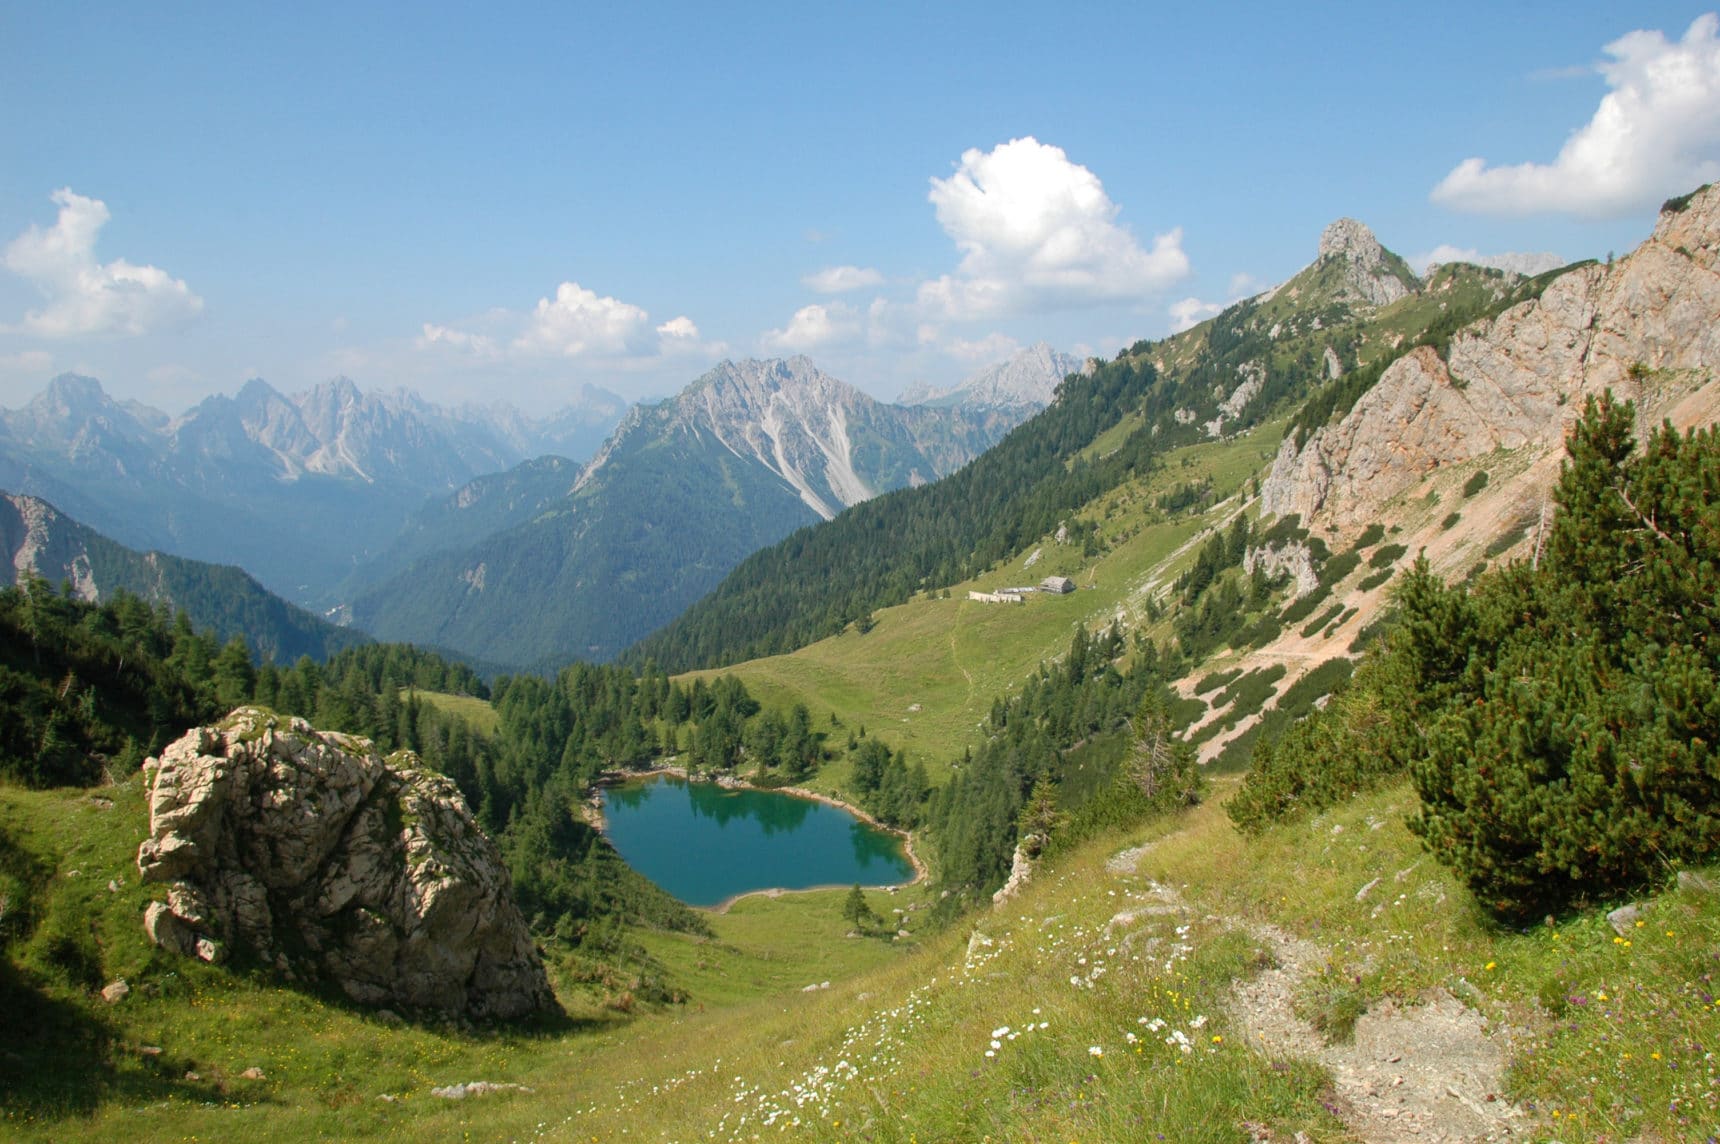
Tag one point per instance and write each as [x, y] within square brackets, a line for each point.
[1029, 378]
[337, 468]
[1112, 421]
[683, 490]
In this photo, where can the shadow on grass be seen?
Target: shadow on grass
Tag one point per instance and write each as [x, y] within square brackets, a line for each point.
[60, 1059]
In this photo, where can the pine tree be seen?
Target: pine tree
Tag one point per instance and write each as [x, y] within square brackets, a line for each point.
[1572, 756]
[855, 910]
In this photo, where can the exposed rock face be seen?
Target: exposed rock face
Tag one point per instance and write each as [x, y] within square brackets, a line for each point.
[1371, 278]
[829, 442]
[308, 850]
[1293, 559]
[1020, 868]
[1647, 327]
[31, 533]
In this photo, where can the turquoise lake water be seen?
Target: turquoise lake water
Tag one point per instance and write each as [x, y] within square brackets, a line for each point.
[704, 844]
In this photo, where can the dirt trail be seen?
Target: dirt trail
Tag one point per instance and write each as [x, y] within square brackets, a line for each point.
[1428, 1072]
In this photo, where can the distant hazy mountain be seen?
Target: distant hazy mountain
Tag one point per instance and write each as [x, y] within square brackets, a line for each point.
[479, 509]
[1028, 381]
[682, 491]
[297, 489]
[35, 538]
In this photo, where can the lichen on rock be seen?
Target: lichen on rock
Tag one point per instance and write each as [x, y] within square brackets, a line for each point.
[308, 851]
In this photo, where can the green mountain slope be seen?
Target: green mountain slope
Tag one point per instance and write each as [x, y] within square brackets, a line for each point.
[215, 597]
[1306, 338]
[479, 509]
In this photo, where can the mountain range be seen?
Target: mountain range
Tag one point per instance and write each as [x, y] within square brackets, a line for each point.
[680, 493]
[296, 489]
[1312, 339]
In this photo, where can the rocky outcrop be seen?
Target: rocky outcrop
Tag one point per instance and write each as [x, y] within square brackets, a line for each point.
[1372, 274]
[309, 851]
[1020, 868]
[1293, 560]
[1647, 327]
[37, 543]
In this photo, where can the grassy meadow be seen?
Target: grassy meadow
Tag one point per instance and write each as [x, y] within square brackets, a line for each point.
[1089, 1007]
[923, 679]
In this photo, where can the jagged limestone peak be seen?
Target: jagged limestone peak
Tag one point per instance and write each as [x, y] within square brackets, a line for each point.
[1353, 238]
[1374, 275]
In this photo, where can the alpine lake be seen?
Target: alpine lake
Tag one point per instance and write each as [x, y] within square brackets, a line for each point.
[706, 844]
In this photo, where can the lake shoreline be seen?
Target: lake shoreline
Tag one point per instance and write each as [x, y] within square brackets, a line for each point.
[592, 809]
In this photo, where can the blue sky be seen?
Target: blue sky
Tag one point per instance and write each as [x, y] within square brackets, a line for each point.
[506, 201]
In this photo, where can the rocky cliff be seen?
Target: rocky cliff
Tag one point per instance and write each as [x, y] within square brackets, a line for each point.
[309, 851]
[1647, 327]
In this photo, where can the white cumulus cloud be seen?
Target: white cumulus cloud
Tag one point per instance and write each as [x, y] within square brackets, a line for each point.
[813, 326]
[577, 322]
[87, 297]
[1191, 312]
[1656, 133]
[994, 347]
[842, 279]
[480, 345]
[1037, 231]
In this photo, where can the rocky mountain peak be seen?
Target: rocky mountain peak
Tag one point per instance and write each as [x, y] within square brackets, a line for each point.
[1691, 222]
[74, 412]
[1027, 380]
[1353, 239]
[257, 392]
[70, 397]
[1372, 274]
[1643, 327]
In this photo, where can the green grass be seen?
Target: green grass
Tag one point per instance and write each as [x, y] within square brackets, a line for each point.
[770, 945]
[477, 712]
[953, 657]
[1614, 1033]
